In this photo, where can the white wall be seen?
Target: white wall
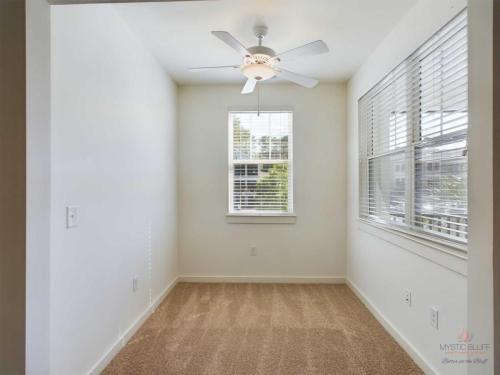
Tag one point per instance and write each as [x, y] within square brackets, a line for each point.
[480, 145]
[114, 156]
[382, 265]
[312, 247]
[37, 186]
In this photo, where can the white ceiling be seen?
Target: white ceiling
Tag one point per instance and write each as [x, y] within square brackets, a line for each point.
[178, 33]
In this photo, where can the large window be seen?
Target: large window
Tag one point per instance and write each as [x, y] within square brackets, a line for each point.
[413, 140]
[260, 162]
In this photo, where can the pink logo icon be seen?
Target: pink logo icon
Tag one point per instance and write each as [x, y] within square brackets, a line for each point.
[465, 336]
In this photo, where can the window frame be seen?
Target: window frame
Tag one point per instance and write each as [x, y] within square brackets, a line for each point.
[413, 136]
[256, 216]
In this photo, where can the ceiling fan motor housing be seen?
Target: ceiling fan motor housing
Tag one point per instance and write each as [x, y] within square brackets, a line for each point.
[259, 65]
[261, 50]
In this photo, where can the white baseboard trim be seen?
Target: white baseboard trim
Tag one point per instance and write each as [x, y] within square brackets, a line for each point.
[393, 331]
[264, 279]
[127, 335]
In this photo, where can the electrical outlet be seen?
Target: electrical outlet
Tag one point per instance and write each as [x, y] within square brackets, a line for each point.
[71, 217]
[407, 297]
[135, 284]
[253, 251]
[434, 317]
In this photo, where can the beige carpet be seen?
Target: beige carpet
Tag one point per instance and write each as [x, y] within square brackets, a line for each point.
[262, 329]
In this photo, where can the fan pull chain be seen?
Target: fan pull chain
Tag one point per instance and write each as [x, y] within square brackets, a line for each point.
[258, 100]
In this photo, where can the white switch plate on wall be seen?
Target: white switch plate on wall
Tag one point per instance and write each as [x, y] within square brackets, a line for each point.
[434, 316]
[135, 283]
[71, 217]
[407, 297]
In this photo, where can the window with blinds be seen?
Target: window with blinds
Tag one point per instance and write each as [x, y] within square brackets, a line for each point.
[413, 140]
[260, 162]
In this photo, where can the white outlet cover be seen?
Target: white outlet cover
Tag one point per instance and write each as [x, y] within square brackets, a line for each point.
[253, 251]
[71, 217]
[135, 284]
[407, 297]
[434, 317]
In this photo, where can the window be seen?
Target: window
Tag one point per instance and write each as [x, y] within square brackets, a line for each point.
[260, 163]
[413, 140]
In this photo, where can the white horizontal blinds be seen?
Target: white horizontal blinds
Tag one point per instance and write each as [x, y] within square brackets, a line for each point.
[413, 129]
[260, 172]
[443, 81]
[364, 116]
[384, 138]
[388, 129]
[387, 182]
[387, 188]
[441, 152]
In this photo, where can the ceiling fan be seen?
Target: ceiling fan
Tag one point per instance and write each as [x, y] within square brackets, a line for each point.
[261, 63]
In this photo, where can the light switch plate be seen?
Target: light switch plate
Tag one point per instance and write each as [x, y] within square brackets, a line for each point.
[434, 317]
[407, 297]
[71, 217]
[135, 283]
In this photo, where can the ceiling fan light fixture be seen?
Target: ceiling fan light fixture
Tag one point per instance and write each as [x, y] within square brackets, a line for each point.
[259, 72]
[261, 63]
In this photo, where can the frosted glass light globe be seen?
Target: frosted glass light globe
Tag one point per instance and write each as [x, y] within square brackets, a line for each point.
[259, 72]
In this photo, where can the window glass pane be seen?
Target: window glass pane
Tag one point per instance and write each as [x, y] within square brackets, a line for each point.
[387, 190]
[260, 135]
[252, 170]
[441, 189]
[239, 169]
[241, 139]
[263, 188]
[260, 173]
[278, 129]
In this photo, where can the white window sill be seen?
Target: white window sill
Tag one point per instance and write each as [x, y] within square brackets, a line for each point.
[447, 254]
[261, 219]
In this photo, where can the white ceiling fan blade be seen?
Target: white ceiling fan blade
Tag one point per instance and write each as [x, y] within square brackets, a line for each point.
[232, 42]
[204, 68]
[249, 86]
[298, 79]
[313, 48]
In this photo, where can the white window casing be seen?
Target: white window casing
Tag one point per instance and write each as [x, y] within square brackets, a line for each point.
[260, 170]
